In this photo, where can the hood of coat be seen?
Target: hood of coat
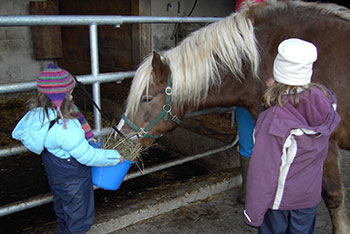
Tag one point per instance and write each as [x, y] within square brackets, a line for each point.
[32, 129]
[315, 112]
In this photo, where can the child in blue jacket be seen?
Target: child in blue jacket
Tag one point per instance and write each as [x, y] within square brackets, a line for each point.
[56, 130]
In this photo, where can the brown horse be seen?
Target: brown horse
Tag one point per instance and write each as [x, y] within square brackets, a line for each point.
[230, 62]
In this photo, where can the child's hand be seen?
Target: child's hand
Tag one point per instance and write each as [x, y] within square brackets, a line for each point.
[95, 143]
[93, 140]
[121, 160]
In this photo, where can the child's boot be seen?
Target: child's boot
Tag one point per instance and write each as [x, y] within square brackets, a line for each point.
[244, 166]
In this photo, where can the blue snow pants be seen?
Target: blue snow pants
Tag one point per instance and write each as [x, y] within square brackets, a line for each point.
[302, 221]
[73, 196]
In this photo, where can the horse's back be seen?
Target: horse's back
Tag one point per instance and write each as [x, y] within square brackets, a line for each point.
[333, 70]
[330, 32]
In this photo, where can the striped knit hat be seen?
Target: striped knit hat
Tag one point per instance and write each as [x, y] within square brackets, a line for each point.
[55, 82]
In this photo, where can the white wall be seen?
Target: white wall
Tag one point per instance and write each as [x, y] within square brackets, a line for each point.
[161, 33]
[16, 51]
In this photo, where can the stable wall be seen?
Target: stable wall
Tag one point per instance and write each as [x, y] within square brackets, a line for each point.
[16, 53]
[166, 36]
[17, 61]
[114, 43]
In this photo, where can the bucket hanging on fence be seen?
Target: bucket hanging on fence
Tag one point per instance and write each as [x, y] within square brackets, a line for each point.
[110, 177]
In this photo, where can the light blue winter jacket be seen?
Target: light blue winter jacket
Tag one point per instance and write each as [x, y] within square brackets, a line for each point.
[35, 135]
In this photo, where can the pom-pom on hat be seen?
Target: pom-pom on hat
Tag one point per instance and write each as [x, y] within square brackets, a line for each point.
[294, 61]
[55, 82]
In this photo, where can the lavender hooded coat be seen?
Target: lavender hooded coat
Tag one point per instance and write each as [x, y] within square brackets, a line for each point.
[291, 144]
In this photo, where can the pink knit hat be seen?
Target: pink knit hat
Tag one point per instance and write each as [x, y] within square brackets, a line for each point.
[55, 82]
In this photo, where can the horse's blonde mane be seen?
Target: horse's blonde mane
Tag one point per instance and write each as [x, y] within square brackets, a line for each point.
[195, 62]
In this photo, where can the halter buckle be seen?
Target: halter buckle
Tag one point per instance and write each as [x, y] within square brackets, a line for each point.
[141, 133]
[167, 108]
[173, 117]
[168, 91]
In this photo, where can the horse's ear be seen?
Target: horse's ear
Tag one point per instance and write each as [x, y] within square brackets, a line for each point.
[160, 69]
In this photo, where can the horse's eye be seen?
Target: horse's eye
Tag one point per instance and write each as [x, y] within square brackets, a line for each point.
[146, 98]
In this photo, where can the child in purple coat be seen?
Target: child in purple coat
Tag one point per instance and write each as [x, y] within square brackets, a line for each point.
[291, 144]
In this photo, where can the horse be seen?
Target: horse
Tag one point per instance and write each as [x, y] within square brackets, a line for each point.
[229, 63]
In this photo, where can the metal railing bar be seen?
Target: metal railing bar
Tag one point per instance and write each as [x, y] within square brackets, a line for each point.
[180, 161]
[18, 149]
[64, 20]
[25, 204]
[85, 79]
[47, 198]
[10, 151]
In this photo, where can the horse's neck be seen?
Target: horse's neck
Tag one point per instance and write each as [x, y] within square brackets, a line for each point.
[232, 92]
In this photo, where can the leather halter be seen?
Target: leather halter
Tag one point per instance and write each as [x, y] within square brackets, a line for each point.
[166, 111]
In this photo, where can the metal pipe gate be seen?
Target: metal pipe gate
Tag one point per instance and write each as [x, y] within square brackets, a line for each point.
[95, 78]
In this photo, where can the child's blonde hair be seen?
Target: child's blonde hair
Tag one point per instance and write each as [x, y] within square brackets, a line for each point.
[279, 93]
[41, 100]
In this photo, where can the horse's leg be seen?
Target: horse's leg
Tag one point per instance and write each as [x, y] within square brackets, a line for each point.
[332, 191]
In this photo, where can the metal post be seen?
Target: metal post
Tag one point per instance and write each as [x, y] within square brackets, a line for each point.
[95, 71]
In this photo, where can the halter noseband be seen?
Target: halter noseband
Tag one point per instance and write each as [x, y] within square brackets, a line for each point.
[143, 132]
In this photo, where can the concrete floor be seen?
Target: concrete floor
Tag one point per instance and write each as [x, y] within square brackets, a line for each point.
[204, 205]
[218, 214]
[221, 214]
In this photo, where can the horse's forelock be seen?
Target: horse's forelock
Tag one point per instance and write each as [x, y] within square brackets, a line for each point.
[139, 84]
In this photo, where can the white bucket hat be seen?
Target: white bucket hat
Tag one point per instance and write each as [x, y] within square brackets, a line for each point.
[294, 61]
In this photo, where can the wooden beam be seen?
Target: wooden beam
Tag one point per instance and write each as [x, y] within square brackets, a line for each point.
[141, 33]
[47, 42]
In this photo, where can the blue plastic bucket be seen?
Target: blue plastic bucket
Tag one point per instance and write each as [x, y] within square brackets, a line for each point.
[110, 178]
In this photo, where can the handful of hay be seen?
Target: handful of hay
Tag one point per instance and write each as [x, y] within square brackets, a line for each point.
[130, 150]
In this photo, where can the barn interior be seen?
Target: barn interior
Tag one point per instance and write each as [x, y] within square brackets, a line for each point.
[25, 52]
[121, 48]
